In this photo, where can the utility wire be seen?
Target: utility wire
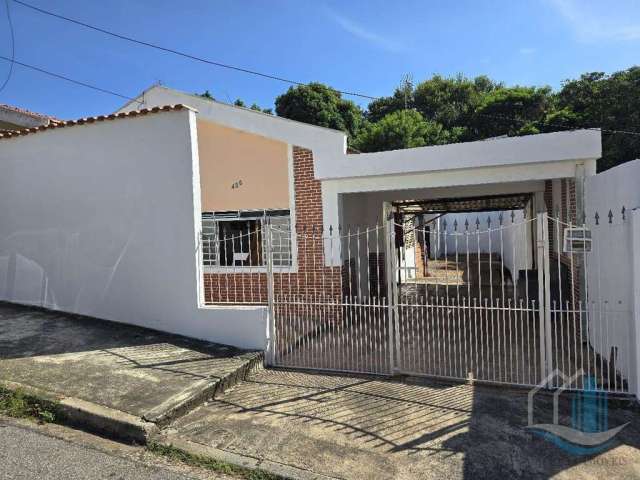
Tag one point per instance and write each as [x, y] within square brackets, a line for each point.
[557, 125]
[178, 52]
[120, 95]
[62, 77]
[13, 47]
[231, 67]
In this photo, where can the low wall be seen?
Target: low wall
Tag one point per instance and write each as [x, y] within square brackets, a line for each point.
[102, 219]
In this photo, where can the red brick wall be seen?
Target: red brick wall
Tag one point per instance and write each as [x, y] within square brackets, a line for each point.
[568, 214]
[312, 277]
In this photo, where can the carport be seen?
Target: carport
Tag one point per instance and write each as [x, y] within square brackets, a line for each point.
[452, 262]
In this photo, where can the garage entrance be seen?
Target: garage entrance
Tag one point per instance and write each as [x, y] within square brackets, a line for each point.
[477, 289]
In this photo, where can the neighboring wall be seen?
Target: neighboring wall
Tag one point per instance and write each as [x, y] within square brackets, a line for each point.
[241, 171]
[511, 240]
[102, 219]
[609, 272]
[610, 265]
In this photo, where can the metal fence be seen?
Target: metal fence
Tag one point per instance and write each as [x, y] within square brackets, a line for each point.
[502, 298]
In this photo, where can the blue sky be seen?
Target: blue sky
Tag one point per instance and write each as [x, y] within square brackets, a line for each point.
[363, 46]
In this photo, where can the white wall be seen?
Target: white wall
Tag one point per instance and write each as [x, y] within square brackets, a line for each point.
[512, 241]
[609, 266]
[574, 146]
[102, 219]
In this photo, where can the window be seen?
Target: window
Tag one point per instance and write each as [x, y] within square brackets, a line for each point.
[237, 239]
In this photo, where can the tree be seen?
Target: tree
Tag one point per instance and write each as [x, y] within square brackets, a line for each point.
[510, 111]
[398, 130]
[383, 106]
[402, 99]
[452, 101]
[320, 105]
[206, 94]
[610, 102]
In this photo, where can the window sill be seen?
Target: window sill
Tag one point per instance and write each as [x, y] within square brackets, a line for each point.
[247, 270]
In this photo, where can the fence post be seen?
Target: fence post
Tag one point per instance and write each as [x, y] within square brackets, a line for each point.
[392, 301]
[634, 381]
[200, 268]
[542, 246]
[271, 322]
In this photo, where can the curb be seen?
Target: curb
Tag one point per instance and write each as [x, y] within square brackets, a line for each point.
[124, 426]
[164, 414]
[90, 416]
[274, 468]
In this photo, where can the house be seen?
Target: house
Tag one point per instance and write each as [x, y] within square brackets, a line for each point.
[255, 166]
[15, 118]
[193, 216]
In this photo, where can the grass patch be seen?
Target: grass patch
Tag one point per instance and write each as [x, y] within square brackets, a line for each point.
[177, 454]
[18, 404]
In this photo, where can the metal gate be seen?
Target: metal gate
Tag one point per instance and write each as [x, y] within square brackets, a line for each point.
[501, 299]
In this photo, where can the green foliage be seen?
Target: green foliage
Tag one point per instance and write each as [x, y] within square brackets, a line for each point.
[206, 94]
[452, 101]
[320, 105]
[179, 455]
[401, 129]
[453, 109]
[605, 101]
[16, 403]
[510, 111]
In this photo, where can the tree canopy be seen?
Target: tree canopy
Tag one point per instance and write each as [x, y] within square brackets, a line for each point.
[398, 130]
[320, 105]
[442, 110]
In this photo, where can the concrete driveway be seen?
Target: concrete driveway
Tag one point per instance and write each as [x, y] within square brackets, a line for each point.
[366, 428]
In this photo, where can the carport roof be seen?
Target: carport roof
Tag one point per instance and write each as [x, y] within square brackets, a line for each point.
[465, 205]
[575, 146]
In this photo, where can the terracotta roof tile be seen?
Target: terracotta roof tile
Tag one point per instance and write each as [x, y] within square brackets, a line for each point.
[24, 111]
[82, 121]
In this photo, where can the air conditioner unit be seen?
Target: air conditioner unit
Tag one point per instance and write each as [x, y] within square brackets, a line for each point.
[577, 240]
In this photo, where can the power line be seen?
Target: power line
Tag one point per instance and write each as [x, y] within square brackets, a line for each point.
[13, 47]
[71, 80]
[178, 52]
[110, 92]
[557, 125]
[222, 65]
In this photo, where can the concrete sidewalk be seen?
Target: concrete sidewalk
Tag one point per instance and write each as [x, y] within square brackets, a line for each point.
[120, 370]
[371, 428]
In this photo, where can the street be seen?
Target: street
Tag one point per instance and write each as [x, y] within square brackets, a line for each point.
[29, 451]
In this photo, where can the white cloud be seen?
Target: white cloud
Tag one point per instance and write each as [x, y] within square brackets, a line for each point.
[361, 32]
[597, 21]
[527, 51]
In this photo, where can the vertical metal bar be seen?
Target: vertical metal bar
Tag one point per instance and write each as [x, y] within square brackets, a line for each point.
[391, 290]
[547, 295]
[540, 221]
[270, 297]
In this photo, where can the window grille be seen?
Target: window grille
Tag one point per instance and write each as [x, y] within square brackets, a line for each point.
[236, 239]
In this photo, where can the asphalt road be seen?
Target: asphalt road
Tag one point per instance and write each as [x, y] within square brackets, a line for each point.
[26, 453]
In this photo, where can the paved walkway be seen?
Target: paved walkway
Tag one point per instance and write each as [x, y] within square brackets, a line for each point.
[138, 371]
[368, 428]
